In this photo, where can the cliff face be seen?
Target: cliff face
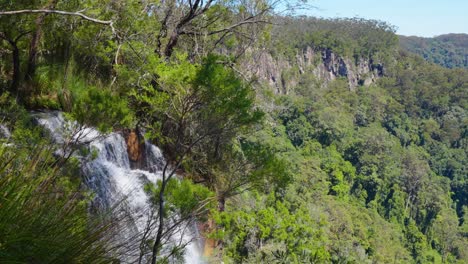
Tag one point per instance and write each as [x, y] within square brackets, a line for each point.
[283, 74]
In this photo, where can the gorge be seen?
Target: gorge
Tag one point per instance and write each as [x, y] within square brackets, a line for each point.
[139, 131]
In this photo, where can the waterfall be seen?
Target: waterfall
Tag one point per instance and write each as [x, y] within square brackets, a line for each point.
[109, 175]
[4, 132]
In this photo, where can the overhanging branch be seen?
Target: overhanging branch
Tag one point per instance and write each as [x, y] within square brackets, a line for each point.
[109, 23]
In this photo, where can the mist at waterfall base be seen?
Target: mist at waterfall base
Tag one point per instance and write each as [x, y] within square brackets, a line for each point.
[116, 185]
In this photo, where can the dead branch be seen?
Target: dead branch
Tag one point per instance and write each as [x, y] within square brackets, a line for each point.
[60, 12]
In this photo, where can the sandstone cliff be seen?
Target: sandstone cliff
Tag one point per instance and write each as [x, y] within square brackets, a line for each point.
[283, 73]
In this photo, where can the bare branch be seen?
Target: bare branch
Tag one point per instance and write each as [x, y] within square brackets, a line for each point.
[230, 28]
[60, 12]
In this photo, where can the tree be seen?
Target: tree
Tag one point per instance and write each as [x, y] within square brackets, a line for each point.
[196, 111]
[215, 19]
[446, 233]
[414, 176]
[13, 42]
[24, 26]
[252, 166]
[184, 204]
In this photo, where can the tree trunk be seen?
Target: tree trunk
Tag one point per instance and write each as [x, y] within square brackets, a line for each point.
[157, 243]
[33, 50]
[171, 44]
[163, 31]
[35, 41]
[221, 203]
[16, 70]
[16, 78]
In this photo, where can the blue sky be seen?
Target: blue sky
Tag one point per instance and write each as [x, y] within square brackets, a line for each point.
[425, 18]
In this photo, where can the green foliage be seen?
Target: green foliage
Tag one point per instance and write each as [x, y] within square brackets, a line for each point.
[349, 37]
[341, 172]
[416, 241]
[195, 111]
[43, 216]
[228, 97]
[252, 165]
[322, 174]
[100, 108]
[446, 50]
[387, 157]
[269, 230]
[183, 197]
[208, 97]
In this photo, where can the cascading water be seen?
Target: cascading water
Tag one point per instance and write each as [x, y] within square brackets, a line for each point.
[4, 132]
[110, 176]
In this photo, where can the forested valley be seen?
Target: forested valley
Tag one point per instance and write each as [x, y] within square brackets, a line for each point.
[203, 131]
[448, 50]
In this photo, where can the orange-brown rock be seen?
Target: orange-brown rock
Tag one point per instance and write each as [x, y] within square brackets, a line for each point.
[133, 147]
[209, 243]
[209, 247]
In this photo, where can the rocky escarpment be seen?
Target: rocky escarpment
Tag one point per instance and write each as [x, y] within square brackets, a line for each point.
[283, 74]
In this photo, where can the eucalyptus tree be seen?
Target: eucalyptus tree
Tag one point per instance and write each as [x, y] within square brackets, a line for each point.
[156, 54]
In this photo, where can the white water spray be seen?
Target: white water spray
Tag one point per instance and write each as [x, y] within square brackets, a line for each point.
[113, 181]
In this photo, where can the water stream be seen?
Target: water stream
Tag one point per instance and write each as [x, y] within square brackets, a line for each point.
[113, 182]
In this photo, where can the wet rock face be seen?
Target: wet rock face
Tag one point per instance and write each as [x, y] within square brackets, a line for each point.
[135, 149]
[323, 64]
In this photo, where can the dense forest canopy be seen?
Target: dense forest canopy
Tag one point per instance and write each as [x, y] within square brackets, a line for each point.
[320, 174]
[351, 37]
[450, 50]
